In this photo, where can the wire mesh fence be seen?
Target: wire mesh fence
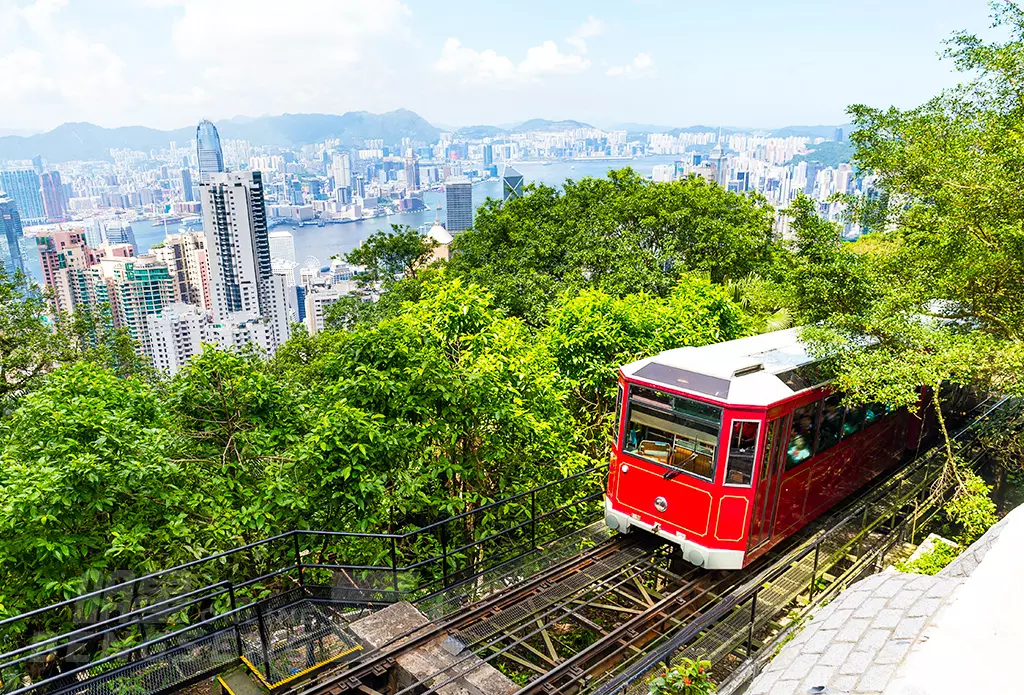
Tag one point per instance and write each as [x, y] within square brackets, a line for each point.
[151, 634]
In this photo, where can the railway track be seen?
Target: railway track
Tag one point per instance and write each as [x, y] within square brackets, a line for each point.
[492, 615]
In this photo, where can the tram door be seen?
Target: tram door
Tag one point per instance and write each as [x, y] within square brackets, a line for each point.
[768, 481]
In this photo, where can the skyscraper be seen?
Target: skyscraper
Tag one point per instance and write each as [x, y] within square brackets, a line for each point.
[119, 232]
[23, 186]
[511, 183]
[838, 134]
[10, 236]
[488, 155]
[242, 281]
[186, 185]
[282, 247]
[140, 288]
[208, 150]
[412, 173]
[52, 192]
[459, 201]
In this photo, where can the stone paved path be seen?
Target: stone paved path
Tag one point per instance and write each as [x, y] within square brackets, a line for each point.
[856, 644]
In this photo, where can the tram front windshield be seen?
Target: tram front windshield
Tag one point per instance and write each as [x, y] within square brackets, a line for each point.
[672, 431]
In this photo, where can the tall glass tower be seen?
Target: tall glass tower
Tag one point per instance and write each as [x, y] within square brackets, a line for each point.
[10, 236]
[208, 150]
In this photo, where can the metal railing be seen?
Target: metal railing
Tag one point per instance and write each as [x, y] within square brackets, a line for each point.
[744, 623]
[157, 632]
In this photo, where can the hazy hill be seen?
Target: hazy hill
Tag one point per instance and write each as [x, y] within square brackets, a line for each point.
[477, 132]
[545, 124]
[88, 141]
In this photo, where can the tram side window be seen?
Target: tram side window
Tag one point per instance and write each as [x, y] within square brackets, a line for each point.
[854, 421]
[801, 435]
[831, 422]
[742, 451]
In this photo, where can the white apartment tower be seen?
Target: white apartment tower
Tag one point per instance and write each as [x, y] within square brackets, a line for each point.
[243, 285]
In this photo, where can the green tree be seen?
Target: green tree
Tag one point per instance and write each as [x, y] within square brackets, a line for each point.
[591, 334]
[389, 255]
[28, 345]
[622, 234]
[86, 485]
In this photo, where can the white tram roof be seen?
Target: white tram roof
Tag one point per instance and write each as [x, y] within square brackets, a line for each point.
[758, 370]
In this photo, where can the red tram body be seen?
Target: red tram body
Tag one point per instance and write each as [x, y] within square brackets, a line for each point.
[727, 449]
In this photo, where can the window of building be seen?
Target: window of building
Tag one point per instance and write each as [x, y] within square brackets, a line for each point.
[742, 452]
[801, 435]
[677, 433]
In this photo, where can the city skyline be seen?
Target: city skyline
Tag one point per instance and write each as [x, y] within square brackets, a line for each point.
[796, 62]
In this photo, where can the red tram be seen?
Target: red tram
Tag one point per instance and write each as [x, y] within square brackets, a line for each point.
[728, 449]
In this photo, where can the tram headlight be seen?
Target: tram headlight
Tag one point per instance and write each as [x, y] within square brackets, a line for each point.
[660, 503]
[624, 468]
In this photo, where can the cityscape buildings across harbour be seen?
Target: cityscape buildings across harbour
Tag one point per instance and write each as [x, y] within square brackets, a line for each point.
[236, 242]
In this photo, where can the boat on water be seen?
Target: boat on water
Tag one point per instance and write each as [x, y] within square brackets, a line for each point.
[161, 221]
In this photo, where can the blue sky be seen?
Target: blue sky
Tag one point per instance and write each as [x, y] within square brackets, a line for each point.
[168, 63]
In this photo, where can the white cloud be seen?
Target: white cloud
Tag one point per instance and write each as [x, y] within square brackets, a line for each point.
[590, 28]
[489, 67]
[642, 64]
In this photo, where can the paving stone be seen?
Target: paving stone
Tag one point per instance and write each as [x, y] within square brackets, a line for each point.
[852, 630]
[870, 583]
[819, 642]
[909, 628]
[853, 599]
[891, 586]
[874, 638]
[843, 685]
[856, 664]
[888, 618]
[876, 678]
[837, 619]
[800, 667]
[764, 683]
[893, 651]
[905, 599]
[925, 607]
[941, 588]
[819, 675]
[785, 687]
[870, 608]
[836, 654]
[922, 582]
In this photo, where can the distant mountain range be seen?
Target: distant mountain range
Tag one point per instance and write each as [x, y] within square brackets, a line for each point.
[85, 141]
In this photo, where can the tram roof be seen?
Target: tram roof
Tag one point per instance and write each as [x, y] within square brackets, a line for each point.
[758, 370]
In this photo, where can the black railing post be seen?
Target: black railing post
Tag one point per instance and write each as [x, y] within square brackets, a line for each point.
[814, 572]
[533, 518]
[394, 565]
[444, 553]
[753, 615]
[234, 618]
[298, 558]
[264, 640]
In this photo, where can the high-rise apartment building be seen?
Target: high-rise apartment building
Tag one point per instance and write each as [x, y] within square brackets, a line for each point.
[341, 170]
[186, 185]
[177, 334]
[10, 236]
[22, 185]
[282, 247]
[459, 204]
[511, 183]
[59, 251]
[412, 174]
[140, 288]
[52, 191]
[120, 232]
[242, 282]
[208, 150]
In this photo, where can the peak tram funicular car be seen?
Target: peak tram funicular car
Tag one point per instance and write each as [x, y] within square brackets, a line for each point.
[728, 449]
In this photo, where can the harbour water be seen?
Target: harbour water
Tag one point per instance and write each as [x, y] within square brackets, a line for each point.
[330, 240]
